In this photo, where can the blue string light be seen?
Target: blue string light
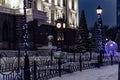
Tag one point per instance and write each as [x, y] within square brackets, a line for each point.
[25, 28]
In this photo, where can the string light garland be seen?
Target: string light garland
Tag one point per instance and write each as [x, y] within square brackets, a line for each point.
[25, 28]
[25, 37]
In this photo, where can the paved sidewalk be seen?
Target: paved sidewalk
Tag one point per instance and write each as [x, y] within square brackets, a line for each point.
[104, 73]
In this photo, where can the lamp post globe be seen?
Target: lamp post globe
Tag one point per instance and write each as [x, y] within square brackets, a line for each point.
[99, 10]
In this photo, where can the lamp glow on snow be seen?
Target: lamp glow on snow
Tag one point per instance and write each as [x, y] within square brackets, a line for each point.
[111, 47]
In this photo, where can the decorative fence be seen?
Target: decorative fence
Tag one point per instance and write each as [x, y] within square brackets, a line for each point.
[43, 68]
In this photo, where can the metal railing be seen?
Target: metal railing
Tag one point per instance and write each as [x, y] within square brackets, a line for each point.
[42, 68]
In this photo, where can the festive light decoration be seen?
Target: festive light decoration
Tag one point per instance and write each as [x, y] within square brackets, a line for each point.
[25, 37]
[111, 47]
[25, 28]
[100, 31]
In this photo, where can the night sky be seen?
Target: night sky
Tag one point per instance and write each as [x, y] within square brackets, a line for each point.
[108, 15]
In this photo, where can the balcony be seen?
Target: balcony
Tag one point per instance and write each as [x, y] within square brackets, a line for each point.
[34, 14]
[31, 13]
[7, 10]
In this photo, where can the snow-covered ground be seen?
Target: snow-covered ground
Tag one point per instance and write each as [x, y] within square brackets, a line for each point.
[104, 73]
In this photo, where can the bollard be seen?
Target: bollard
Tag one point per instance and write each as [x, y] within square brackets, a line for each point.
[98, 60]
[119, 71]
[111, 59]
[35, 69]
[80, 62]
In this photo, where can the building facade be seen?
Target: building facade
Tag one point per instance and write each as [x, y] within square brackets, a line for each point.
[39, 12]
[55, 9]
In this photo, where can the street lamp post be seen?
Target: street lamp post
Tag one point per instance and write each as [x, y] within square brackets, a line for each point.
[75, 50]
[100, 33]
[25, 37]
[60, 24]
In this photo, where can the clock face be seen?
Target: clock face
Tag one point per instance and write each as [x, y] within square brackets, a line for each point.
[58, 25]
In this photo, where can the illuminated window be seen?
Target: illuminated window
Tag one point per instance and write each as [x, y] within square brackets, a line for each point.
[60, 36]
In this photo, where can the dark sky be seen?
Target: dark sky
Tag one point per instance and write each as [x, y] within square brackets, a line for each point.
[108, 15]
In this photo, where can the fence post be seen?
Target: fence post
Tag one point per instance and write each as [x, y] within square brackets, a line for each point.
[59, 66]
[111, 59]
[101, 58]
[80, 62]
[98, 61]
[26, 68]
[119, 71]
[51, 56]
[74, 56]
[35, 69]
[90, 56]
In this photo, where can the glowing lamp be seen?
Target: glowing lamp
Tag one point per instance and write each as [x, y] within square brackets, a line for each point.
[58, 25]
[99, 10]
